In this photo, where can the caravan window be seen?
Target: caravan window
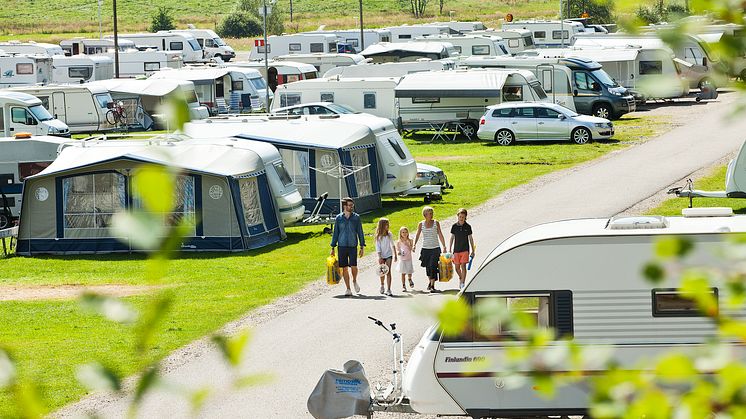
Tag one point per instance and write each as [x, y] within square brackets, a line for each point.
[405, 36]
[296, 165]
[82, 72]
[175, 46]
[425, 100]
[398, 149]
[103, 100]
[44, 101]
[25, 68]
[457, 48]
[352, 41]
[529, 311]
[90, 201]
[369, 100]
[237, 85]
[512, 94]
[540, 34]
[672, 303]
[546, 79]
[317, 47]
[289, 99]
[261, 49]
[385, 38]
[295, 47]
[363, 183]
[514, 43]
[538, 91]
[480, 50]
[560, 34]
[252, 205]
[651, 67]
[332, 47]
[258, 83]
[29, 169]
[152, 66]
[692, 56]
[283, 174]
[327, 97]
[528, 41]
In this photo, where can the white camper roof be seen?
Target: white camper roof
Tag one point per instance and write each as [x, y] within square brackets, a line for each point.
[599, 54]
[20, 97]
[456, 83]
[614, 40]
[192, 74]
[49, 88]
[146, 87]
[321, 56]
[283, 67]
[205, 158]
[433, 47]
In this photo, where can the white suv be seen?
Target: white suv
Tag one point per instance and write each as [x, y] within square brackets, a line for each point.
[510, 122]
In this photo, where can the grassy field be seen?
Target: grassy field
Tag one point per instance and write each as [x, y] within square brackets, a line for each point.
[713, 182]
[49, 338]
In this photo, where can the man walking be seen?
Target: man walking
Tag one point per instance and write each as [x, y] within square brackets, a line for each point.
[348, 230]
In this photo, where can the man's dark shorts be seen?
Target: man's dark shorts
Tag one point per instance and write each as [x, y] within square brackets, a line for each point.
[347, 256]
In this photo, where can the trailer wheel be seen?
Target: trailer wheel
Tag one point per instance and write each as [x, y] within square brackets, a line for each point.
[581, 135]
[468, 129]
[4, 221]
[504, 137]
[603, 110]
[706, 82]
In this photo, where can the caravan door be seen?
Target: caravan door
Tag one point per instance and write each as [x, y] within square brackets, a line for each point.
[58, 106]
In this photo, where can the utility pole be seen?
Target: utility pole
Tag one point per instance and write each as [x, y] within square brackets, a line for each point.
[116, 42]
[266, 45]
[291, 11]
[100, 31]
[362, 40]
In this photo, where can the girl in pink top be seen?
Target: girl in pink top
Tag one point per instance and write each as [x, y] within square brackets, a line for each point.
[404, 250]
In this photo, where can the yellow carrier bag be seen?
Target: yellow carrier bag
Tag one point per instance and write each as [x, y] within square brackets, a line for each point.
[333, 273]
[445, 267]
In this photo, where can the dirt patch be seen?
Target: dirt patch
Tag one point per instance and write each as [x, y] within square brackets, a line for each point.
[66, 292]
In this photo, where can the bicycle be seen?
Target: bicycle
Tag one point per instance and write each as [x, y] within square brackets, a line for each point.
[116, 114]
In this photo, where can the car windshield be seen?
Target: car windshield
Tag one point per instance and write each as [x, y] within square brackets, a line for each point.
[258, 83]
[195, 45]
[566, 111]
[604, 78]
[336, 108]
[41, 113]
[219, 42]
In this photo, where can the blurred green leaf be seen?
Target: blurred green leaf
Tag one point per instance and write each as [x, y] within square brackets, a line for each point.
[653, 272]
[7, 369]
[154, 312]
[176, 112]
[730, 328]
[147, 381]
[453, 317]
[736, 290]
[675, 367]
[544, 384]
[144, 230]
[732, 382]
[253, 380]
[95, 376]
[28, 400]
[233, 347]
[155, 186]
[112, 308]
[673, 247]
[197, 399]
[652, 404]
[696, 285]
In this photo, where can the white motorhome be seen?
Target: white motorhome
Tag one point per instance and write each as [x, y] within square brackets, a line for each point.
[324, 61]
[455, 27]
[517, 40]
[549, 33]
[280, 72]
[468, 45]
[352, 36]
[391, 69]
[373, 95]
[132, 62]
[81, 68]
[24, 69]
[406, 33]
[439, 100]
[299, 43]
[21, 112]
[584, 279]
[82, 107]
[692, 50]
[186, 44]
[390, 52]
[91, 46]
[31, 47]
[649, 73]
[20, 157]
[213, 45]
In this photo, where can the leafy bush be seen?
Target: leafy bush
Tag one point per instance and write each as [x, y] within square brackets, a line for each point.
[648, 15]
[275, 17]
[162, 20]
[240, 25]
[600, 11]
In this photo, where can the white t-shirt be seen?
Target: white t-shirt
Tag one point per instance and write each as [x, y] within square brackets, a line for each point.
[384, 246]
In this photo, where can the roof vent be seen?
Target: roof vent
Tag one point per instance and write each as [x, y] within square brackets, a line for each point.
[707, 212]
[637, 222]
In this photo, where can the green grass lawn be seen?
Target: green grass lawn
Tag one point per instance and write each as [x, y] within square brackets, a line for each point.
[713, 182]
[50, 338]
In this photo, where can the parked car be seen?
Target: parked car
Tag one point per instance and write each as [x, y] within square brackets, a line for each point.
[431, 175]
[510, 122]
[315, 108]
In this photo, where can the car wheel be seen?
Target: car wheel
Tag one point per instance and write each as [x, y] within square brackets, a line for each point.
[705, 82]
[4, 221]
[602, 110]
[504, 137]
[469, 130]
[581, 135]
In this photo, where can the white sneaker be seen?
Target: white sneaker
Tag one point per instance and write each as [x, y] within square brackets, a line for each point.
[389, 293]
[348, 293]
[357, 287]
[382, 290]
[461, 285]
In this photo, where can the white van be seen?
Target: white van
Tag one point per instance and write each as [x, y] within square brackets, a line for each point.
[21, 112]
[186, 44]
[210, 42]
[549, 33]
[24, 69]
[81, 68]
[298, 43]
[82, 107]
[517, 40]
[468, 45]
[324, 61]
[31, 47]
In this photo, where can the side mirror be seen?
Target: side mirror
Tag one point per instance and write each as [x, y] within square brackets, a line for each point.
[561, 117]
[595, 86]
[704, 61]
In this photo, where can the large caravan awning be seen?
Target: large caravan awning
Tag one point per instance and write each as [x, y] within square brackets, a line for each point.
[200, 74]
[147, 87]
[471, 83]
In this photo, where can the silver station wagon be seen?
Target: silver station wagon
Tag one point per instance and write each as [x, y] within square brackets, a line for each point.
[510, 122]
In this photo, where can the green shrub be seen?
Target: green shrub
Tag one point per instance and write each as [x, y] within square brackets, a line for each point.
[648, 15]
[162, 20]
[600, 11]
[240, 25]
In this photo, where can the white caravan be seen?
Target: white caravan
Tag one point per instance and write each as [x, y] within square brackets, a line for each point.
[517, 40]
[210, 42]
[132, 62]
[388, 52]
[373, 95]
[549, 33]
[458, 99]
[82, 107]
[468, 45]
[20, 157]
[21, 112]
[352, 36]
[649, 73]
[391, 69]
[455, 27]
[299, 43]
[91, 46]
[584, 279]
[31, 47]
[324, 61]
[280, 72]
[24, 69]
[692, 50]
[81, 68]
[407, 33]
[184, 43]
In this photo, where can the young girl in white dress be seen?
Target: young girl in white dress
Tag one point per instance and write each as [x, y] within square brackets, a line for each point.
[386, 252]
[404, 250]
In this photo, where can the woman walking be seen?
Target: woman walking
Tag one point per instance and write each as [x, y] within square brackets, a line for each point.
[432, 243]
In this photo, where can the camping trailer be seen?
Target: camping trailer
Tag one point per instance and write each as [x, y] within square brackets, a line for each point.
[184, 43]
[82, 107]
[298, 43]
[21, 112]
[468, 45]
[390, 52]
[325, 61]
[280, 72]
[20, 157]
[390, 69]
[406, 33]
[517, 40]
[584, 278]
[312, 151]
[81, 68]
[24, 69]
[132, 62]
[31, 47]
[549, 33]
[352, 36]
[92, 46]
[225, 200]
[459, 28]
